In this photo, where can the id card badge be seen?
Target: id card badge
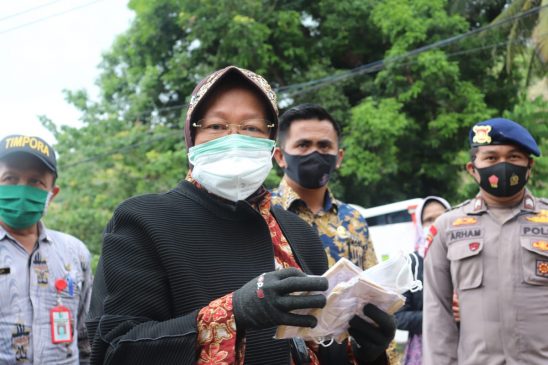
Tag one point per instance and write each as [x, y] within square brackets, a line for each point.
[61, 324]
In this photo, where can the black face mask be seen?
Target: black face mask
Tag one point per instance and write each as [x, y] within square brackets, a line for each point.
[503, 179]
[311, 171]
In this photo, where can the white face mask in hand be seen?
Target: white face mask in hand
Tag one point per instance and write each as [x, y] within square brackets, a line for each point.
[395, 274]
[232, 167]
[348, 292]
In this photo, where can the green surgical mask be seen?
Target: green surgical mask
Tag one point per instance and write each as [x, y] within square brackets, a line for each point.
[21, 206]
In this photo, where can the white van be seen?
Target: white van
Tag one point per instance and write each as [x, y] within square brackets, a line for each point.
[392, 227]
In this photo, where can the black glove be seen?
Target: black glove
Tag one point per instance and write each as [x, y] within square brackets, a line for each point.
[266, 301]
[369, 340]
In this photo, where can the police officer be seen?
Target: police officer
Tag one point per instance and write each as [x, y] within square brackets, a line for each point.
[493, 251]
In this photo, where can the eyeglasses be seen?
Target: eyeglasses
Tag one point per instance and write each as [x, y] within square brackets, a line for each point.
[250, 127]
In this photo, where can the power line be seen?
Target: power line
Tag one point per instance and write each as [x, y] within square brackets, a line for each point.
[49, 17]
[379, 67]
[376, 65]
[29, 10]
[305, 87]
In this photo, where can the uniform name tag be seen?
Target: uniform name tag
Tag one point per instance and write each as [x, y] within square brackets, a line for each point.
[463, 234]
[61, 325]
[534, 230]
[4, 270]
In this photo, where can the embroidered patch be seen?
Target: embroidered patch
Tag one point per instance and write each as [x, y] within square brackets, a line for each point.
[474, 246]
[514, 180]
[534, 230]
[542, 268]
[462, 234]
[494, 181]
[541, 245]
[432, 232]
[462, 221]
[20, 340]
[481, 134]
[540, 217]
[41, 269]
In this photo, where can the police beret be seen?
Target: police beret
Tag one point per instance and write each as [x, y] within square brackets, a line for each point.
[35, 146]
[498, 131]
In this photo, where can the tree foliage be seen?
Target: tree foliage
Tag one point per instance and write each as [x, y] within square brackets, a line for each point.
[405, 119]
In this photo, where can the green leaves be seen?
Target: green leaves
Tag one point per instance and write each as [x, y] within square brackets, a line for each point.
[371, 151]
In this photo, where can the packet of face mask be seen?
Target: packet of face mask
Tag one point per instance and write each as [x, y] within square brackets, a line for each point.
[340, 279]
[349, 290]
[395, 274]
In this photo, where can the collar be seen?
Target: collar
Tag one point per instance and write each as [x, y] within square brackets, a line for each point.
[528, 204]
[42, 234]
[3, 233]
[289, 198]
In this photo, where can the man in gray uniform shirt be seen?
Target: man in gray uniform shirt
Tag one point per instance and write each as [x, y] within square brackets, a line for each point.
[45, 276]
[493, 251]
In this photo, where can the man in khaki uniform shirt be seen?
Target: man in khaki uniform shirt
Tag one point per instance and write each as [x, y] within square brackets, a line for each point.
[493, 251]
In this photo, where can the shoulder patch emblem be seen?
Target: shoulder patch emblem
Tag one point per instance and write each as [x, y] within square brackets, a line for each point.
[481, 134]
[540, 217]
[432, 232]
[463, 221]
[541, 245]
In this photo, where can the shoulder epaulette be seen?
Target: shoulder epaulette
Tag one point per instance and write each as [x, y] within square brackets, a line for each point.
[460, 205]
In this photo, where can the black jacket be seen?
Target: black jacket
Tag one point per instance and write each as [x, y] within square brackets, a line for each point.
[409, 317]
[165, 256]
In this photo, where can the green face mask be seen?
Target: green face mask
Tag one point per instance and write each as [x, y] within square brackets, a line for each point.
[21, 206]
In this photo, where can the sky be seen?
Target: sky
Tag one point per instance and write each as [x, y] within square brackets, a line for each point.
[40, 60]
